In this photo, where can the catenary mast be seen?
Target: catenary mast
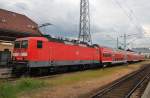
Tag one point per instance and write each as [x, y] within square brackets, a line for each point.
[84, 29]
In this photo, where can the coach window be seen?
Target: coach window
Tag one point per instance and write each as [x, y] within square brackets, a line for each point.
[39, 44]
[107, 55]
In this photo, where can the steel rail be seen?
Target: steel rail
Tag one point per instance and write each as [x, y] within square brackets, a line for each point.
[125, 79]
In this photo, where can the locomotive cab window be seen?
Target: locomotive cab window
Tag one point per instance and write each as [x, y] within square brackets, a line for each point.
[17, 44]
[39, 44]
[24, 44]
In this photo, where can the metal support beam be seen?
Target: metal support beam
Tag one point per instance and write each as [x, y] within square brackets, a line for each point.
[84, 29]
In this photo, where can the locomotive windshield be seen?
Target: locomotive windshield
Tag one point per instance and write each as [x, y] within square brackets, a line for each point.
[24, 44]
[21, 44]
[17, 44]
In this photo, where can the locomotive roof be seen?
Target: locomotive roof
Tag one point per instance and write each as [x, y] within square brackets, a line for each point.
[27, 38]
[72, 42]
[67, 41]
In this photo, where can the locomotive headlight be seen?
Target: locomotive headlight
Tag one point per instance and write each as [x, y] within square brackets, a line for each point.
[15, 54]
[24, 54]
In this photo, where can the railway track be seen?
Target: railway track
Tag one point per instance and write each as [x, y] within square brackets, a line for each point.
[127, 86]
[5, 73]
[10, 78]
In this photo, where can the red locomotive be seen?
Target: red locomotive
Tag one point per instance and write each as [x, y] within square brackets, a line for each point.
[32, 53]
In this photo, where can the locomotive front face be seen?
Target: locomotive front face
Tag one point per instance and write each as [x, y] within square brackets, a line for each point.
[31, 51]
[20, 50]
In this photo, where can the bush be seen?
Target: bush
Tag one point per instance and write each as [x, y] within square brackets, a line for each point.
[29, 84]
[9, 90]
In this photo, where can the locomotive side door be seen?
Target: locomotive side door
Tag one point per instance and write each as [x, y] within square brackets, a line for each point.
[51, 63]
[96, 55]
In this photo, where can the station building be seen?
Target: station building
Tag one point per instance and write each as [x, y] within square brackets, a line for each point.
[144, 51]
[14, 25]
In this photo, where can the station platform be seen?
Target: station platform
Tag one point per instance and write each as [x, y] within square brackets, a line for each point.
[5, 72]
[147, 92]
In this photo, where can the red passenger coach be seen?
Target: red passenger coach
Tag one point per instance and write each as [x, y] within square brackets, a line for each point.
[142, 57]
[130, 56]
[119, 56]
[106, 55]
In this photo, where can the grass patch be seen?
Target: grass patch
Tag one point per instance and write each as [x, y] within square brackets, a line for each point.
[90, 74]
[11, 90]
[82, 76]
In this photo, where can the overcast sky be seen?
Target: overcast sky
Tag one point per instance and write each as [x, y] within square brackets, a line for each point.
[109, 18]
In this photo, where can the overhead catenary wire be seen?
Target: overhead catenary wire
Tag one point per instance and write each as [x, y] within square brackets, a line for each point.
[130, 14]
[128, 11]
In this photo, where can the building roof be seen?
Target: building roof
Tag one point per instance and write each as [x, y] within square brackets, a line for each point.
[17, 25]
[142, 50]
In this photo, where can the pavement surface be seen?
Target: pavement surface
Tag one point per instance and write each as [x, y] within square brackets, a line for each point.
[147, 92]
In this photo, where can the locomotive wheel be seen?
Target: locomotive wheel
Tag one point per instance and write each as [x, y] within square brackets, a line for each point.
[105, 65]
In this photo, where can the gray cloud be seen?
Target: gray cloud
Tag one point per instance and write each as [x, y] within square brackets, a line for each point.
[107, 18]
[21, 6]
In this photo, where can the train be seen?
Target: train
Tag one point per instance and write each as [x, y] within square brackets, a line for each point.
[31, 54]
